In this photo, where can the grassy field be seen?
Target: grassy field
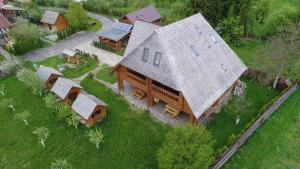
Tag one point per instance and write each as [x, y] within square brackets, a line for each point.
[223, 124]
[277, 4]
[276, 144]
[106, 75]
[131, 138]
[97, 25]
[87, 65]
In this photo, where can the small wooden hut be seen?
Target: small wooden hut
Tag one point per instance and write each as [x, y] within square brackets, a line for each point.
[90, 109]
[72, 56]
[4, 27]
[148, 14]
[117, 36]
[66, 89]
[48, 75]
[54, 21]
[11, 12]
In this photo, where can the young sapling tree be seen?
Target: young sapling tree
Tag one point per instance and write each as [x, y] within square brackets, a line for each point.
[42, 133]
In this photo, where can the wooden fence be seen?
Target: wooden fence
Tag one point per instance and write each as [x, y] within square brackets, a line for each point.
[233, 148]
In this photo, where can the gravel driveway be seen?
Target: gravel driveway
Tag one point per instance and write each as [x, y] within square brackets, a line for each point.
[71, 42]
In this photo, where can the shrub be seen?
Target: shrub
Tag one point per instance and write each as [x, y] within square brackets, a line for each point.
[95, 137]
[10, 66]
[51, 101]
[64, 112]
[61, 164]
[186, 147]
[231, 30]
[31, 80]
[101, 45]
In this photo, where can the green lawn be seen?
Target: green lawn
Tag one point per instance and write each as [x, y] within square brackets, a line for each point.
[223, 124]
[131, 138]
[106, 75]
[97, 25]
[277, 4]
[248, 48]
[87, 65]
[276, 144]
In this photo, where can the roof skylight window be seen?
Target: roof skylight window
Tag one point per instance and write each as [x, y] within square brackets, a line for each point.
[213, 38]
[223, 67]
[157, 58]
[145, 54]
[195, 51]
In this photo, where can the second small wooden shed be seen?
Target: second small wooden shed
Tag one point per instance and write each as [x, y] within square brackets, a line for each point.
[89, 108]
[67, 90]
[54, 21]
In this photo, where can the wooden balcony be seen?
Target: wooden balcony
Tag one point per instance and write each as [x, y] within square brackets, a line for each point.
[165, 96]
[136, 81]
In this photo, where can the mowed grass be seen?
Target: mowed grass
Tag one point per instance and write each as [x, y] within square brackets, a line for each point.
[107, 75]
[223, 124]
[95, 24]
[88, 65]
[276, 144]
[131, 138]
[277, 4]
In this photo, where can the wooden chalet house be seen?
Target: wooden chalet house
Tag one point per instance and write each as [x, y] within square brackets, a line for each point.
[117, 36]
[48, 75]
[54, 21]
[148, 14]
[185, 65]
[90, 109]
[66, 90]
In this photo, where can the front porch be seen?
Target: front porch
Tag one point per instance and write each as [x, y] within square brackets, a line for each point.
[157, 110]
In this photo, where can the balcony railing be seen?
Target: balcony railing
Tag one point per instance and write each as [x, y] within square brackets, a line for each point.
[136, 81]
[165, 95]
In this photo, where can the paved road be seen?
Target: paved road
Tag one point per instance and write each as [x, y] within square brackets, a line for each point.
[69, 43]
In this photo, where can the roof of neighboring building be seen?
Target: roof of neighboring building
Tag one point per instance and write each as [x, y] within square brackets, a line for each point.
[4, 23]
[117, 31]
[85, 104]
[63, 86]
[11, 8]
[45, 72]
[69, 52]
[50, 17]
[147, 14]
[194, 60]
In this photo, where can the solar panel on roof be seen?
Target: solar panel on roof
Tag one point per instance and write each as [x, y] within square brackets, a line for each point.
[122, 26]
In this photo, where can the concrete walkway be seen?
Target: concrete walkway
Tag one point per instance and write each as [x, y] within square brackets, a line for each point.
[71, 42]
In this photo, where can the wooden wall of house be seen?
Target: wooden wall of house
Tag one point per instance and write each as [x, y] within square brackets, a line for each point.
[125, 20]
[73, 91]
[92, 121]
[51, 81]
[61, 23]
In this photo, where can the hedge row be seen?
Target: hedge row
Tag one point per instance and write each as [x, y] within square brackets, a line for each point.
[66, 33]
[104, 46]
[105, 10]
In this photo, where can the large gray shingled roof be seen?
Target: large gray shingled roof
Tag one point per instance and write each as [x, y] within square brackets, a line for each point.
[50, 17]
[45, 72]
[85, 104]
[147, 14]
[63, 86]
[195, 60]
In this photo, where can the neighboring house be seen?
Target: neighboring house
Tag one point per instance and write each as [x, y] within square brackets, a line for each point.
[4, 27]
[148, 14]
[91, 109]
[72, 56]
[66, 90]
[48, 75]
[117, 36]
[185, 65]
[54, 21]
[11, 12]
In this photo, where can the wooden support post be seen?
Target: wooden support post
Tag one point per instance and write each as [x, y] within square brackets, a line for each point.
[150, 99]
[120, 82]
[192, 119]
[180, 101]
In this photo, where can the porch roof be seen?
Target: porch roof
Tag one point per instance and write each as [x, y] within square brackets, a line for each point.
[63, 86]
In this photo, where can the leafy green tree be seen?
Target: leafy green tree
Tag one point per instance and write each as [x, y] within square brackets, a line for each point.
[96, 137]
[25, 37]
[186, 147]
[61, 164]
[31, 80]
[263, 10]
[231, 30]
[247, 15]
[34, 13]
[51, 101]
[23, 116]
[62, 3]
[73, 120]
[77, 17]
[42, 134]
